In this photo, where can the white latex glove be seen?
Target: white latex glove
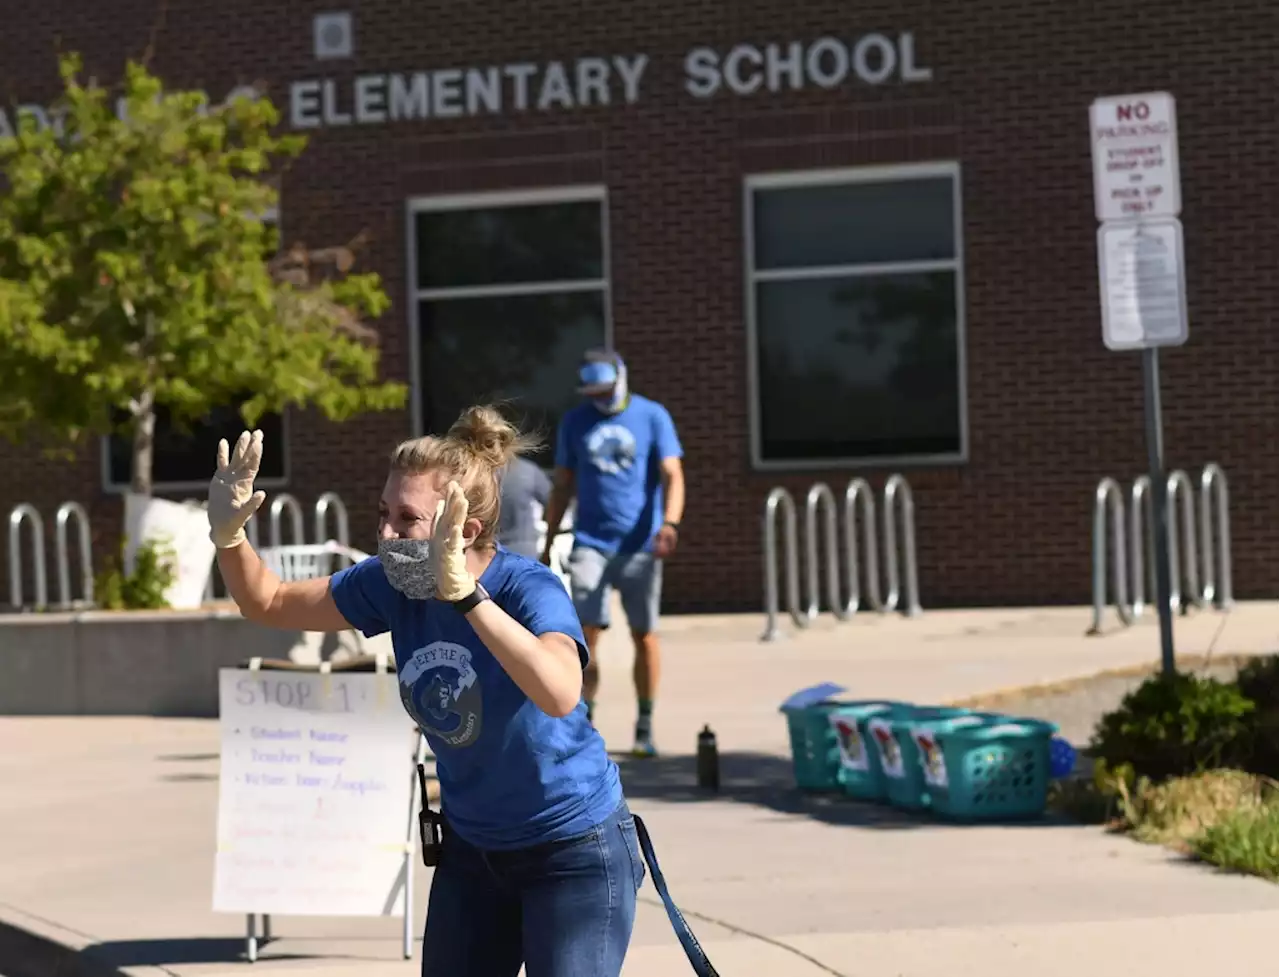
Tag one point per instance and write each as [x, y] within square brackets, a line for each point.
[232, 500]
[453, 580]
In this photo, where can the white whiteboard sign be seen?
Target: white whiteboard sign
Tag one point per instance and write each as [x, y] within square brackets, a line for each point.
[1142, 285]
[314, 789]
[1135, 157]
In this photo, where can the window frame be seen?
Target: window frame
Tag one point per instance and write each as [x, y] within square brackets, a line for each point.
[121, 488]
[755, 182]
[596, 193]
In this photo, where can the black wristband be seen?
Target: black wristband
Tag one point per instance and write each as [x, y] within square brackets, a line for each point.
[468, 603]
[673, 525]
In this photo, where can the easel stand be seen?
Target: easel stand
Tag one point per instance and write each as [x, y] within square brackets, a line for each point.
[365, 663]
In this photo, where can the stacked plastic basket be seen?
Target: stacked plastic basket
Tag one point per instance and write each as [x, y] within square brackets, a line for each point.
[952, 762]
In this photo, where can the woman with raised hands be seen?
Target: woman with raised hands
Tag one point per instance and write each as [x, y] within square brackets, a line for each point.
[540, 862]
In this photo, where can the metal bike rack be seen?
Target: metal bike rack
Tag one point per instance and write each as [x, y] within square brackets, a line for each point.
[821, 514]
[1215, 525]
[820, 498]
[1194, 527]
[65, 514]
[332, 502]
[25, 512]
[897, 488]
[1107, 498]
[1142, 561]
[1183, 561]
[858, 491]
[780, 498]
[279, 504]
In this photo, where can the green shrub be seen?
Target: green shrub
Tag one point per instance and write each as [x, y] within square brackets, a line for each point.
[1247, 839]
[1259, 681]
[144, 589]
[1176, 725]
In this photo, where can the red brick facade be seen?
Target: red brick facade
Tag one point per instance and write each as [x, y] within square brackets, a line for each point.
[1050, 410]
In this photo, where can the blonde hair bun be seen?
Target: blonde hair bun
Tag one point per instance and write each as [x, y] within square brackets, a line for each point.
[475, 450]
[489, 436]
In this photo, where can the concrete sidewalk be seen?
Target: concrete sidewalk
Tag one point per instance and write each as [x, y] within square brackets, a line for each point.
[107, 830]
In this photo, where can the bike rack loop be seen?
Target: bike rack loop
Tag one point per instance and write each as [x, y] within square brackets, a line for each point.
[1182, 543]
[858, 490]
[1108, 496]
[25, 512]
[820, 497]
[1142, 560]
[897, 488]
[1213, 487]
[281, 502]
[66, 512]
[327, 502]
[780, 498]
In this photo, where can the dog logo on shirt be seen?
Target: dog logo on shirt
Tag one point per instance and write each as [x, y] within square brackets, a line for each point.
[441, 691]
[611, 448]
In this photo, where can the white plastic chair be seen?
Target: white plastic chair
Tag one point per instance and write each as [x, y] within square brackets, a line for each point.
[291, 563]
[560, 546]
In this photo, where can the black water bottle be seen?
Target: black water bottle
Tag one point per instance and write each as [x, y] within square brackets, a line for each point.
[708, 760]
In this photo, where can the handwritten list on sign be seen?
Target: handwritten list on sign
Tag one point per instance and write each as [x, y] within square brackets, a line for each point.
[313, 804]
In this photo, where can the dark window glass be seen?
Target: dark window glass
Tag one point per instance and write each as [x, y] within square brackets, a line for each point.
[509, 245]
[190, 457]
[855, 223]
[858, 367]
[523, 350]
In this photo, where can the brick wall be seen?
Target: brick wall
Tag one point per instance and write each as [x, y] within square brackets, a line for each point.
[1050, 411]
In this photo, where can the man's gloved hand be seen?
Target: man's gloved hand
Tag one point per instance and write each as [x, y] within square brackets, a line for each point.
[453, 580]
[232, 500]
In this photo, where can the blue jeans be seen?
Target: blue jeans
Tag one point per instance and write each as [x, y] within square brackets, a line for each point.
[563, 909]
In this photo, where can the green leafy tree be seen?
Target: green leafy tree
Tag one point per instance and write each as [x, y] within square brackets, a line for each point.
[133, 274]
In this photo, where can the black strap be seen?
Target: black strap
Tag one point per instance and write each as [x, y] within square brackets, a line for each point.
[692, 948]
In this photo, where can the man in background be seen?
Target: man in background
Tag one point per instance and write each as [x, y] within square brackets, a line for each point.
[619, 454]
[525, 490]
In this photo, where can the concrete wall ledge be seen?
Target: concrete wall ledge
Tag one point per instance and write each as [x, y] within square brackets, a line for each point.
[131, 663]
[94, 616]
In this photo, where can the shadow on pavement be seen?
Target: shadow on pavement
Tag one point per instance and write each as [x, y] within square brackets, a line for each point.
[161, 953]
[120, 954]
[766, 781]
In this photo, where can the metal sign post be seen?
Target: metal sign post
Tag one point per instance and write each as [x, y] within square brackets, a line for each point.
[1141, 278]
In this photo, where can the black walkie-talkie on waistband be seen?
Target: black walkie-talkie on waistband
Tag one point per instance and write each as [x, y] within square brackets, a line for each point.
[429, 823]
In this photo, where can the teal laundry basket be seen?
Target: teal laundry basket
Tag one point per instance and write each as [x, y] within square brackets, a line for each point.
[900, 757]
[859, 774]
[815, 755]
[993, 770]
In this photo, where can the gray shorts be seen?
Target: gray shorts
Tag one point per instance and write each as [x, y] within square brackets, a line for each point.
[637, 576]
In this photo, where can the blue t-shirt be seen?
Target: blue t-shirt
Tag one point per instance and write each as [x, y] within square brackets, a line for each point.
[510, 775]
[617, 460]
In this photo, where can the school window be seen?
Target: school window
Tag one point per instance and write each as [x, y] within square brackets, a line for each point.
[855, 317]
[183, 459]
[509, 292]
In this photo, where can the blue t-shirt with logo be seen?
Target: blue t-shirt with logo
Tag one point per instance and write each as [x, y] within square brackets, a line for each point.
[510, 775]
[617, 463]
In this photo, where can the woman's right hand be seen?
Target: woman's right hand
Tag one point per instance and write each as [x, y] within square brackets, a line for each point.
[232, 500]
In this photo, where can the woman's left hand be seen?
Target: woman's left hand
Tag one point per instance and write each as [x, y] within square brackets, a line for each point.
[453, 580]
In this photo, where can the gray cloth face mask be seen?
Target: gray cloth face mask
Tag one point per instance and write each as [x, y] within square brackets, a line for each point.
[408, 566]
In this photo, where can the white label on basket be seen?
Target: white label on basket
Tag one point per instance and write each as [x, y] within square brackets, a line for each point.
[931, 762]
[1004, 730]
[887, 744]
[853, 751]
